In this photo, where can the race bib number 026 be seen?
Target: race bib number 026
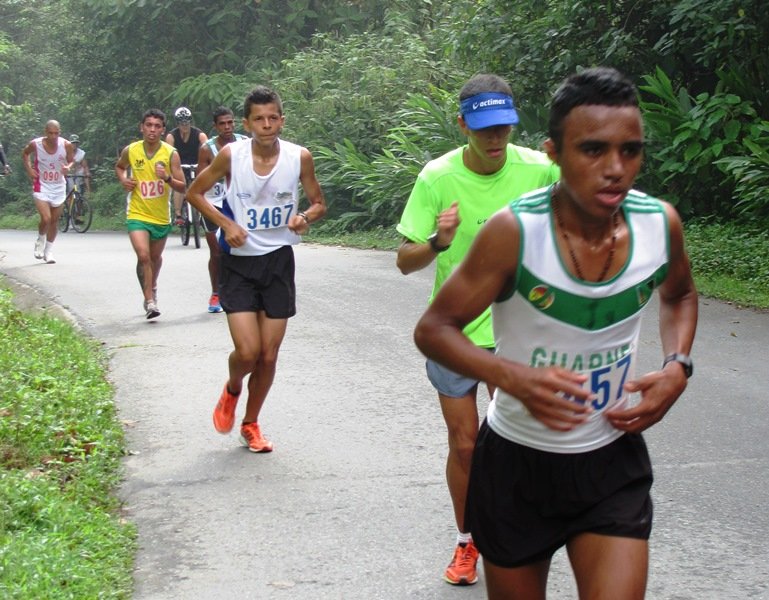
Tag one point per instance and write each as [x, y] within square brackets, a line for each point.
[268, 217]
[154, 188]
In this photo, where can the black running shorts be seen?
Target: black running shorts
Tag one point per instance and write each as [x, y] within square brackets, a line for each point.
[259, 283]
[524, 504]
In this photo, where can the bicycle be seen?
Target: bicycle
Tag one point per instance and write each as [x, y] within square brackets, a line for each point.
[193, 220]
[77, 212]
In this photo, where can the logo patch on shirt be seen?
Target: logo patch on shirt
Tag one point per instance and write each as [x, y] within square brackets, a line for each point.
[644, 291]
[139, 163]
[282, 197]
[542, 297]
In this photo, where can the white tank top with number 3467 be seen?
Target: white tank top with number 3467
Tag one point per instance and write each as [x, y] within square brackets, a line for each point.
[263, 204]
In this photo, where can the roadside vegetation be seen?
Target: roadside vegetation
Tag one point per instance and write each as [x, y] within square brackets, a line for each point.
[61, 531]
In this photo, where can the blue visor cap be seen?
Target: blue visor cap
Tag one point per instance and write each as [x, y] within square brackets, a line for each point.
[488, 109]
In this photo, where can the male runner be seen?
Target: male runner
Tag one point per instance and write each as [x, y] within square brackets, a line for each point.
[47, 161]
[260, 222]
[148, 170]
[224, 122]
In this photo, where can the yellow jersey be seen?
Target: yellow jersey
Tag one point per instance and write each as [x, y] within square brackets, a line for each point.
[149, 200]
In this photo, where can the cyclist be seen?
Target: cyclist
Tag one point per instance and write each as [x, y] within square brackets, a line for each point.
[224, 122]
[47, 161]
[79, 166]
[187, 141]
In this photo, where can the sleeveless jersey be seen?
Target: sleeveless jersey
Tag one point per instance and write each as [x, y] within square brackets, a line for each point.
[148, 201]
[50, 178]
[262, 204]
[188, 151]
[445, 180]
[553, 318]
[216, 194]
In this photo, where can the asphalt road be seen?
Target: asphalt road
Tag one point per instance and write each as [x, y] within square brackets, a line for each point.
[352, 504]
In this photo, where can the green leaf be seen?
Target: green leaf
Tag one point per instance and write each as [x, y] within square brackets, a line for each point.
[692, 151]
[731, 130]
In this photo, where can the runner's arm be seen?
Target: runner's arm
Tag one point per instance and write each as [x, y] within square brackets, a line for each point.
[218, 169]
[677, 325]
[311, 187]
[27, 159]
[121, 171]
[413, 256]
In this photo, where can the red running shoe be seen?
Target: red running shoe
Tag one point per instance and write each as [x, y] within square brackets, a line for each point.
[224, 413]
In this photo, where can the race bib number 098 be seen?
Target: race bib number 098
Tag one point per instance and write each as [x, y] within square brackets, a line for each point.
[268, 217]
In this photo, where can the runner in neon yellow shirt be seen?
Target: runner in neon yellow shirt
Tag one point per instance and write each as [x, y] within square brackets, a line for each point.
[452, 198]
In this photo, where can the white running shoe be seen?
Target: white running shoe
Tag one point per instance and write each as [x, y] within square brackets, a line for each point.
[151, 309]
[48, 257]
[39, 246]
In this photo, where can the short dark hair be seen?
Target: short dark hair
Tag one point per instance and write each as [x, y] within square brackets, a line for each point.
[482, 83]
[221, 111]
[154, 112]
[598, 86]
[261, 95]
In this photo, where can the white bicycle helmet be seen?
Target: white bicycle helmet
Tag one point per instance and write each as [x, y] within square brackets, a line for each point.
[183, 114]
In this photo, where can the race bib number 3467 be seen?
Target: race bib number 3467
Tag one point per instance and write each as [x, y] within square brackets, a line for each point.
[270, 217]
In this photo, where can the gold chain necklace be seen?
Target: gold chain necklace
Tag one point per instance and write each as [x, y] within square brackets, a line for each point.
[573, 255]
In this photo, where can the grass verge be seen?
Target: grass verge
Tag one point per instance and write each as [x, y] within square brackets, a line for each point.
[61, 535]
[730, 262]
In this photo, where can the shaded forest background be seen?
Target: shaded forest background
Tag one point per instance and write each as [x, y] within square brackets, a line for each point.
[370, 86]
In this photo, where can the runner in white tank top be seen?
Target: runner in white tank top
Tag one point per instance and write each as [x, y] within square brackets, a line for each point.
[259, 223]
[47, 161]
[224, 123]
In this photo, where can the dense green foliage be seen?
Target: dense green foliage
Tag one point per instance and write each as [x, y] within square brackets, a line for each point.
[60, 530]
[349, 70]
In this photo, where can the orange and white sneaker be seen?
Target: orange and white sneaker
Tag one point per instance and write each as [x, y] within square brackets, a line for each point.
[251, 436]
[224, 413]
[462, 568]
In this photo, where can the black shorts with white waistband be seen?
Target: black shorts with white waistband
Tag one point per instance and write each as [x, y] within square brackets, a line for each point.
[524, 504]
[259, 283]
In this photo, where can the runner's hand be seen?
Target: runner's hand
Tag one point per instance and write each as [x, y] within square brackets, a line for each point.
[659, 390]
[551, 394]
[234, 234]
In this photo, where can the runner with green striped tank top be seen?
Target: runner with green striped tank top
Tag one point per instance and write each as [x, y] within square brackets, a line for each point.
[560, 460]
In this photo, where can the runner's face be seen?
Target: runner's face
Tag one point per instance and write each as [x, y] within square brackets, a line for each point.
[225, 126]
[52, 133]
[600, 156]
[264, 122]
[487, 147]
[152, 129]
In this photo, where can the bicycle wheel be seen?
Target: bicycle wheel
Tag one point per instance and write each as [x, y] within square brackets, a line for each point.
[82, 215]
[185, 227]
[64, 219]
[196, 226]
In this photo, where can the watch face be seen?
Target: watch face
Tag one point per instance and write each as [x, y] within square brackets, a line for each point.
[686, 362]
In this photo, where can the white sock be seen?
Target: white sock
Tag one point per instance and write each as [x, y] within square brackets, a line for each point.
[48, 246]
[41, 238]
[464, 538]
